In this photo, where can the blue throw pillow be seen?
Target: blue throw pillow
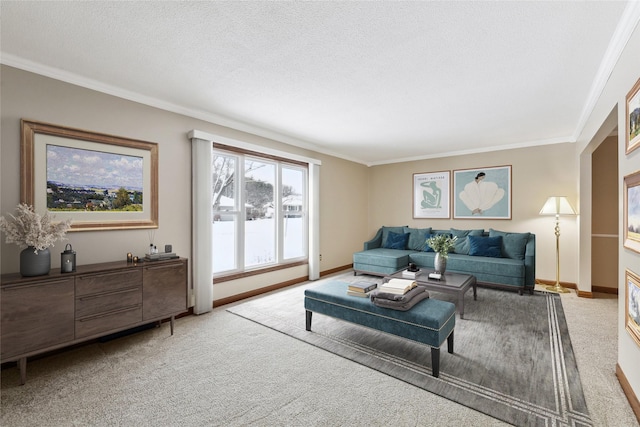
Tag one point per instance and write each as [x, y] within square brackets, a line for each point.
[418, 237]
[397, 241]
[514, 245]
[462, 244]
[485, 246]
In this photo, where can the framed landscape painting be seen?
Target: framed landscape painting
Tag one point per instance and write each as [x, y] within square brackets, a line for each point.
[633, 118]
[431, 195]
[482, 193]
[99, 181]
[632, 211]
[632, 305]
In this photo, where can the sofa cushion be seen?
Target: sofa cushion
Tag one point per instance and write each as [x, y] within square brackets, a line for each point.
[462, 244]
[485, 246]
[396, 240]
[387, 230]
[418, 237]
[394, 259]
[514, 245]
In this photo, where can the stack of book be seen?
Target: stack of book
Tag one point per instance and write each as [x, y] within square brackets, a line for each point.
[410, 274]
[398, 286]
[361, 289]
[160, 256]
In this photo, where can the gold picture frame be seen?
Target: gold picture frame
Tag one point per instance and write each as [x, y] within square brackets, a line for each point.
[632, 305]
[99, 181]
[631, 211]
[632, 130]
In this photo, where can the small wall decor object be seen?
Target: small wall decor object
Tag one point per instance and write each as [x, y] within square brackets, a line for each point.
[68, 259]
[632, 134]
[632, 211]
[632, 305]
[482, 193]
[431, 195]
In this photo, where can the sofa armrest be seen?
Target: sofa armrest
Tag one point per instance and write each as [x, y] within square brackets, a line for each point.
[376, 242]
[530, 262]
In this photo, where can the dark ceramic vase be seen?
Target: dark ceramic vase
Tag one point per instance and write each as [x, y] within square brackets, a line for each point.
[32, 264]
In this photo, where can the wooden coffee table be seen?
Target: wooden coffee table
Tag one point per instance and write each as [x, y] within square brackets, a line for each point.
[453, 283]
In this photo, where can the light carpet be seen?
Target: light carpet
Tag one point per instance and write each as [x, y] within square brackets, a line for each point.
[513, 357]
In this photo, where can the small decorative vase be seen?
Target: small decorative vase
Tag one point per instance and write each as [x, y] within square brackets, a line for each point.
[440, 263]
[32, 264]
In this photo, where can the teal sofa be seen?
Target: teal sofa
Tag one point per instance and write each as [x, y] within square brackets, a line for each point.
[496, 258]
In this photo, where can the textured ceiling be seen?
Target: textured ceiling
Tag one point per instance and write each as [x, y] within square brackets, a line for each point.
[374, 82]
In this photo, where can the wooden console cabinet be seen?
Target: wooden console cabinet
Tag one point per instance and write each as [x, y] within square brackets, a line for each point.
[44, 313]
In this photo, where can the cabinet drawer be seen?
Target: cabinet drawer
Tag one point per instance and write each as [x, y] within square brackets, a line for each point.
[104, 282]
[112, 321]
[89, 305]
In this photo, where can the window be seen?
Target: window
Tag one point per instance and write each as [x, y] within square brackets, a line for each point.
[260, 210]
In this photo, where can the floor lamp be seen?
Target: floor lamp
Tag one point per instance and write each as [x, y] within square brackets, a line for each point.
[557, 205]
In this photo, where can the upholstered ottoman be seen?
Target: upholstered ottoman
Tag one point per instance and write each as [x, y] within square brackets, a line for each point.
[429, 322]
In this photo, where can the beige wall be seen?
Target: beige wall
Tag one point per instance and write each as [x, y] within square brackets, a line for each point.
[604, 226]
[343, 209]
[537, 173]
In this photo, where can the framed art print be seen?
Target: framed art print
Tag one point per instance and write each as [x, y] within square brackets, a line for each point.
[482, 193]
[99, 181]
[431, 195]
[632, 305]
[632, 134]
[632, 211]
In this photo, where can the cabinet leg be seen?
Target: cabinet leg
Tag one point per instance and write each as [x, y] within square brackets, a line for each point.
[173, 318]
[22, 366]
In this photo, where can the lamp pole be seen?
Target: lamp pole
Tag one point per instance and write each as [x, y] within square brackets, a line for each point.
[558, 287]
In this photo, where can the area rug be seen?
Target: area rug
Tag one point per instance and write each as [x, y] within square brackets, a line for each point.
[513, 358]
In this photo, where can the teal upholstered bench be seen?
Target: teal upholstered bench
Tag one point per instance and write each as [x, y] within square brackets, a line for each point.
[429, 322]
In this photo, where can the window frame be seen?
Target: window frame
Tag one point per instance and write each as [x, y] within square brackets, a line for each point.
[241, 156]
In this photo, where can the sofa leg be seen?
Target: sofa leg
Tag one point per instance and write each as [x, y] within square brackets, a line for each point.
[450, 343]
[308, 320]
[435, 361]
[520, 291]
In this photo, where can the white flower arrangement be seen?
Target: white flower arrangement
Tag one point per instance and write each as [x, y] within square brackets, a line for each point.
[30, 229]
[442, 244]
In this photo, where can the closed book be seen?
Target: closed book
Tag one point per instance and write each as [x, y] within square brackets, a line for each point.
[410, 274]
[359, 294]
[398, 286]
[362, 287]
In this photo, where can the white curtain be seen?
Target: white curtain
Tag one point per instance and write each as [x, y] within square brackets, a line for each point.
[202, 224]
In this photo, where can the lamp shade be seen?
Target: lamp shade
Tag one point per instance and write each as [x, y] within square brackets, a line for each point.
[557, 205]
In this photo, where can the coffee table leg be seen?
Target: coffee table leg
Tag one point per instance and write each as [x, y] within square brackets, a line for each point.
[475, 294]
[461, 304]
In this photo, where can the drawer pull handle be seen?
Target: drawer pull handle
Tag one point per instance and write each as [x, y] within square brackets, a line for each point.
[32, 284]
[110, 313]
[113, 273]
[122, 291]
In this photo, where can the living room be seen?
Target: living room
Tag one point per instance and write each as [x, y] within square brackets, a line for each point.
[377, 194]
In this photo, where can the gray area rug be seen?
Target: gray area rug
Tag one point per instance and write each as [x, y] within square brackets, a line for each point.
[513, 358]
